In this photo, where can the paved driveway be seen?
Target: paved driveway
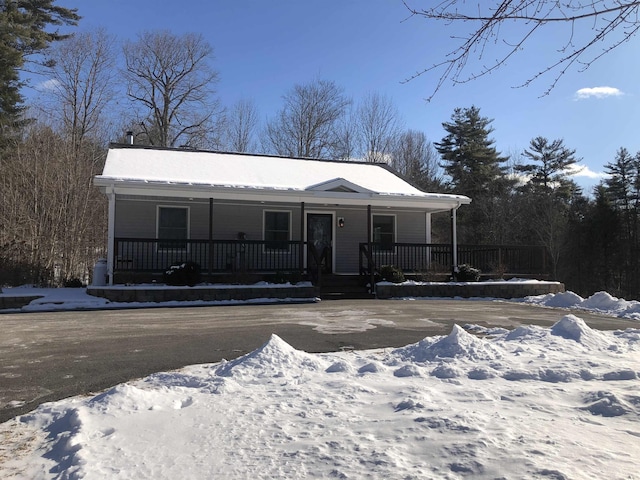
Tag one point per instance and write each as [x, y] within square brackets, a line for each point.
[49, 356]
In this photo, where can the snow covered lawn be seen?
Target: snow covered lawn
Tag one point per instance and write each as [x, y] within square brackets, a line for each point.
[560, 402]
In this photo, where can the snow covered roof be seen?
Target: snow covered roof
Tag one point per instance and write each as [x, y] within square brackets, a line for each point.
[180, 172]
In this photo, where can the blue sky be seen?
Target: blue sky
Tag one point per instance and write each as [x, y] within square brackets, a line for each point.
[264, 48]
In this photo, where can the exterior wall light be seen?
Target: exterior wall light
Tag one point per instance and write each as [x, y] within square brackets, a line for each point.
[341, 222]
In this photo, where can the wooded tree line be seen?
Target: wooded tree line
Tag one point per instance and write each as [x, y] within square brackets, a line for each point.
[53, 221]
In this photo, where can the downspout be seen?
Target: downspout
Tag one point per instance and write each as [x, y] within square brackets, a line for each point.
[454, 243]
[111, 244]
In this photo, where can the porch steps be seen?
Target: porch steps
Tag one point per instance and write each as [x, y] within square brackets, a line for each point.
[339, 287]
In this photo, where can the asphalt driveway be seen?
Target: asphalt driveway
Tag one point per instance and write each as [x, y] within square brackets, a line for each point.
[49, 356]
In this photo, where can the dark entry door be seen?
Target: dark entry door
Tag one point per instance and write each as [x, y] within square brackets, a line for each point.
[319, 235]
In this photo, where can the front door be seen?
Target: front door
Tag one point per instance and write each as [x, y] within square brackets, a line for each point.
[319, 239]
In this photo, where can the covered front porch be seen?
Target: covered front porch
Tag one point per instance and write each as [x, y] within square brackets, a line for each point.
[137, 260]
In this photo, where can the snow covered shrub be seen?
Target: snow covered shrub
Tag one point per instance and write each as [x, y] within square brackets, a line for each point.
[187, 273]
[391, 273]
[466, 273]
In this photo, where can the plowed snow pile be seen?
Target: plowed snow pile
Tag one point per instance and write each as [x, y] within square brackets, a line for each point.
[550, 403]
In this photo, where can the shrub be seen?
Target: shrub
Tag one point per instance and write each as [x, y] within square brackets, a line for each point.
[187, 273]
[466, 273]
[73, 283]
[391, 273]
[287, 277]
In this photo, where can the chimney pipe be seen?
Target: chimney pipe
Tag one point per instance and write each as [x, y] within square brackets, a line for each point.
[130, 138]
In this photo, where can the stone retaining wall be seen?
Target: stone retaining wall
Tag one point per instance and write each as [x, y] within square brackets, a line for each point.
[7, 303]
[208, 294]
[468, 290]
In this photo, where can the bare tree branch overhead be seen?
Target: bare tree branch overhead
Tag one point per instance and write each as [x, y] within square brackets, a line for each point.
[593, 28]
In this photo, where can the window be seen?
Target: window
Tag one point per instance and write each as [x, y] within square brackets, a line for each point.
[384, 231]
[173, 227]
[277, 230]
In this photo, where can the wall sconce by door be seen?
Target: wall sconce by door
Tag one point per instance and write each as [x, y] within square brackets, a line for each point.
[341, 222]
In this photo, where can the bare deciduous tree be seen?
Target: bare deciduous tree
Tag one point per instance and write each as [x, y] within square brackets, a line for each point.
[593, 28]
[415, 157]
[306, 124]
[346, 142]
[54, 218]
[172, 84]
[240, 126]
[378, 125]
[82, 75]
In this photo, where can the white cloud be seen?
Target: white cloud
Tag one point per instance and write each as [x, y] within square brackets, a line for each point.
[48, 85]
[584, 171]
[597, 92]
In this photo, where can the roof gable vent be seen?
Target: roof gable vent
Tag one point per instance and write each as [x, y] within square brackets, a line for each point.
[340, 185]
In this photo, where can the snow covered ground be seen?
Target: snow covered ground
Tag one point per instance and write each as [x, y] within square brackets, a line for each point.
[559, 402]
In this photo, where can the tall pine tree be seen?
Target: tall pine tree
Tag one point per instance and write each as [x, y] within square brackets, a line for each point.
[475, 169]
[548, 171]
[623, 190]
[23, 33]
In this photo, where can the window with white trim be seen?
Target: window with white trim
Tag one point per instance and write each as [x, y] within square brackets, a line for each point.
[173, 227]
[384, 231]
[277, 230]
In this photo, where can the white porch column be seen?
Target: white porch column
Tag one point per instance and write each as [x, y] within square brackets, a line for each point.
[427, 238]
[454, 242]
[111, 235]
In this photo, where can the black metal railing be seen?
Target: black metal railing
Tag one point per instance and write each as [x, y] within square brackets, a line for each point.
[154, 255]
[215, 256]
[419, 257]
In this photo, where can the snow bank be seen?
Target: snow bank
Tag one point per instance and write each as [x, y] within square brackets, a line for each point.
[557, 402]
[601, 302]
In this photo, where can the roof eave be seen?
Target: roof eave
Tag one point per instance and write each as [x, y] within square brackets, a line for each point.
[439, 202]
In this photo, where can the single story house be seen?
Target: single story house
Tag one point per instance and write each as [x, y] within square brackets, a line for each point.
[244, 212]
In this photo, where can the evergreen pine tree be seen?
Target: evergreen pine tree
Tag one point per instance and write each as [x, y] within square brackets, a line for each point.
[548, 172]
[469, 157]
[623, 190]
[475, 169]
[22, 34]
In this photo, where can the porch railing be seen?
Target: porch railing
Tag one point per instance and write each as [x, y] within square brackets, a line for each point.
[415, 257]
[216, 256]
[154, 255]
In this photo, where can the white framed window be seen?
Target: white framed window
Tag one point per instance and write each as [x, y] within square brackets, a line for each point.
[277, 230]
[384, 231]
[172, 227]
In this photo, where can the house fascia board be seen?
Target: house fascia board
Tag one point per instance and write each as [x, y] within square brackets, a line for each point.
[432, 202]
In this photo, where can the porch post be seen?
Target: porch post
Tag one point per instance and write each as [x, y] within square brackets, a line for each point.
[454, 244]
[301, 251]
[111, 241]
[372, 279]
[428, 238]
[210, 237]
